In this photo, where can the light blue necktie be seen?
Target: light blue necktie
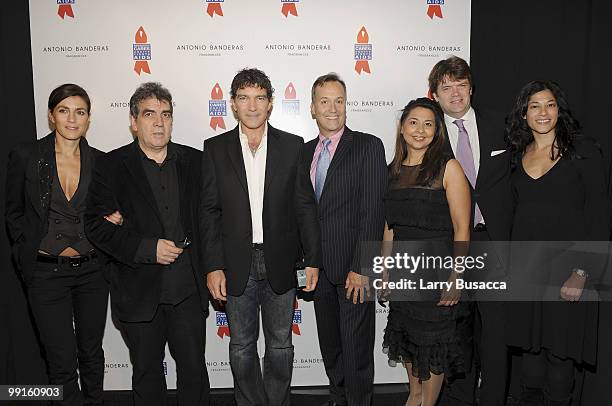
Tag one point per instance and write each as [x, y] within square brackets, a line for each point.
[322, 167]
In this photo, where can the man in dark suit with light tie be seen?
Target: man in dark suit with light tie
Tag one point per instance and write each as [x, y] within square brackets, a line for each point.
[476, 140]
[348, 172]
[257, 207]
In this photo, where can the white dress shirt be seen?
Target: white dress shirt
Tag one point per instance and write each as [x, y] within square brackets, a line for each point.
[255, 168]
[469, 122]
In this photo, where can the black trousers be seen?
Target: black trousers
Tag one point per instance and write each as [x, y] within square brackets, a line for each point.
[59, 296]
[346, 338]
[462, 391]
[492, 353]
[490, 359]
[183, 327]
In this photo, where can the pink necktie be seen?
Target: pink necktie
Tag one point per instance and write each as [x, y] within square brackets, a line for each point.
[466, 159]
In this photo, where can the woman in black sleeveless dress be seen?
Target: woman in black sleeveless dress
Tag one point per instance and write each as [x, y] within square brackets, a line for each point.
[427, 203]
[559, 190]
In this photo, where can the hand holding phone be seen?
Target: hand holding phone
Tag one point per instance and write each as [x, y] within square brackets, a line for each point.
[184, 243]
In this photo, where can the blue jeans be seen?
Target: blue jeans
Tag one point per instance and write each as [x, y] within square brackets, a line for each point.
[250, 387]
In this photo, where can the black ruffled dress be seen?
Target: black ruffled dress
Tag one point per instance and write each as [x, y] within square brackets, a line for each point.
[429, 337]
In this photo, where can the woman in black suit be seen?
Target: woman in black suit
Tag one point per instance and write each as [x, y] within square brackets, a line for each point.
[559, 187]
[46, 187]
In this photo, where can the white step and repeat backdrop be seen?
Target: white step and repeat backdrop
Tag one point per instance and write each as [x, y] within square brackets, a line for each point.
[383, 50]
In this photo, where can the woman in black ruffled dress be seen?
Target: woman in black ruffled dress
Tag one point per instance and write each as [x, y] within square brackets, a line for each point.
[428, 203]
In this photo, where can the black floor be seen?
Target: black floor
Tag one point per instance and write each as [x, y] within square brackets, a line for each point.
[385, 395]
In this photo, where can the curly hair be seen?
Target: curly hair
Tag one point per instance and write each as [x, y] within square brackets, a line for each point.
[437, 153]
[146, 91]
[251, 78]
[518, 134]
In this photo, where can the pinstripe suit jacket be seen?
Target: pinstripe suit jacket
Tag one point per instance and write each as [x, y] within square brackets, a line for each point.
[351, 206]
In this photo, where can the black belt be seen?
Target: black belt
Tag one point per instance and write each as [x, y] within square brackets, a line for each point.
[480, 227]
[257, 246]
[74, 262]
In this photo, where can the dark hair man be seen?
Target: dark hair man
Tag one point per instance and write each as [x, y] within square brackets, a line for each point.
[258, 218]
[476, 140]
[348, 172]
[157, 285]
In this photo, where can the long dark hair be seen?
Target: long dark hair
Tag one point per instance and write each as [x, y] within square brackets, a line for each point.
[518, 134]
[437, 152]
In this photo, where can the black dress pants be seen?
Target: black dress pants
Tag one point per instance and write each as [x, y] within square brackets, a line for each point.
[183, 327]
[462, 391]
[59, 296]
[346, 339]
[493, 353]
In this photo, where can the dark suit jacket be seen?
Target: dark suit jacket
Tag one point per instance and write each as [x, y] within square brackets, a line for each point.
[351, 207]
[119, 183]
[289, 211]
[28, 194]
[492, 191]
[493, 195]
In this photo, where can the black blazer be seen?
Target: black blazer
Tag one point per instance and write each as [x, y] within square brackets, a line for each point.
[492, 192]
[119, 183]
[289, 211]
[351, 207]
[28, 193]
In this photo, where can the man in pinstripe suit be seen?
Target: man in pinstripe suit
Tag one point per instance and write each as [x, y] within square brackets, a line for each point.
[349, 174]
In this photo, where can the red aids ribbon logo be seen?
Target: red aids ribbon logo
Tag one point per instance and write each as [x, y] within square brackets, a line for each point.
[142, 52]
[291, 104]
[289, 7]
[222, 326]
[290, 92]
[297, 319]
[434, 8]
[217, 108]
[65, 8]
[214, 7]
[363, 52]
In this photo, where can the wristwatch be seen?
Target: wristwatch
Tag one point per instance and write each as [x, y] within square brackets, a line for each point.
[580, 272]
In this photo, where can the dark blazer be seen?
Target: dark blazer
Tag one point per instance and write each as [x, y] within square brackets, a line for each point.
[119, 183]
[289, 211]
[351, 207]
[28, 195]
[492, 192]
